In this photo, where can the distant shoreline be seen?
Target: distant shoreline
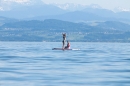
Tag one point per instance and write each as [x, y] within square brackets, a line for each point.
[70, 41]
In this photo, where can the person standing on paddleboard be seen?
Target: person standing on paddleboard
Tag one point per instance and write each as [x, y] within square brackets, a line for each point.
[64, 38]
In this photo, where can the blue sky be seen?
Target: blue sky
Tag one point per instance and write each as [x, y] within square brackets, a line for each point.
[108, 4]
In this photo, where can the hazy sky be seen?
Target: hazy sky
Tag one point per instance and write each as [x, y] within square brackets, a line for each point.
[109, 4]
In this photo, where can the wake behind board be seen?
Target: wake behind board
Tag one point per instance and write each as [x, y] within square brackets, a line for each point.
[63, 49]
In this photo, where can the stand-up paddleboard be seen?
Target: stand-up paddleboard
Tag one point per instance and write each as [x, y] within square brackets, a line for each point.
[63, 49]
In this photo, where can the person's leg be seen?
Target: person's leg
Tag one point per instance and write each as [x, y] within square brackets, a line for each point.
[63, 44]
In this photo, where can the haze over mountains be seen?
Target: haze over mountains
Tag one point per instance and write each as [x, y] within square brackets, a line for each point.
[38, 21]
[40, 10]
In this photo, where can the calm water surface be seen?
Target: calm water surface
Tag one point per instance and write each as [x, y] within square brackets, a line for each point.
[36, 64]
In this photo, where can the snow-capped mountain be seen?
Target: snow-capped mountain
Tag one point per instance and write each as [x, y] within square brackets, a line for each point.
[11, 4]
[94, 6]
[29, 9]
[121, 9]
[73, 7]
[7, 5]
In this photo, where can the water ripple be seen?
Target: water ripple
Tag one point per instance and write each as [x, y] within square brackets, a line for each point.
[34, 64]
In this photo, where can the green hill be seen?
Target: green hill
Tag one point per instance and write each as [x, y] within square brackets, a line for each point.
[52, 29]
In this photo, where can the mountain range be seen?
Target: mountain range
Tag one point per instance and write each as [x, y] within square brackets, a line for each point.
[69, 12]
[46, 22]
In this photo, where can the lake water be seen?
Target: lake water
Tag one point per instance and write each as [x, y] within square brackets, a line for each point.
[36, 64]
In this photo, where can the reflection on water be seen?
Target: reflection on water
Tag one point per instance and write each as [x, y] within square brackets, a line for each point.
[35, 64]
